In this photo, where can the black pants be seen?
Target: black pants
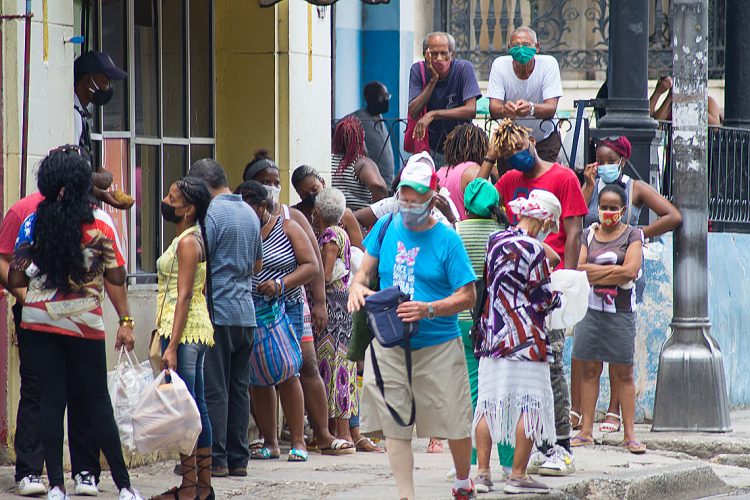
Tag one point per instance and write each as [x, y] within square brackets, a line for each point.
[84, 450]
[70, 366]
[227, 379]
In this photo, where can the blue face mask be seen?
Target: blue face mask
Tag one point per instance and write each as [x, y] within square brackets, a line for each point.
[609, 173]
[522, 161]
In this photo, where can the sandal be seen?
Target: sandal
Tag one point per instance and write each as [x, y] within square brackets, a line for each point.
[174, 492]
[262, 454]
[204, 462]
[256, 444]
[575, 426]
[368, 446]
[338, 447]
[634, 447]
[578, 441]
[609, 427]
[435, 446]
[296, 455]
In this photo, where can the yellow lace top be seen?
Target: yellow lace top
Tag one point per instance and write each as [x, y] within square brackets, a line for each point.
[198, 327]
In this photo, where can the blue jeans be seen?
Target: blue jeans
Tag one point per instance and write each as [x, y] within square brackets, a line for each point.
[190, 359]
[295, 312]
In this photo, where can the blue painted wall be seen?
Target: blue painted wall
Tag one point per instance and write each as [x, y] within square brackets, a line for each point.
[729, 294]
[373, 43]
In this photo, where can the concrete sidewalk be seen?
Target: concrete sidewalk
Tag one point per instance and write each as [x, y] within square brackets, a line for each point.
[676, 466]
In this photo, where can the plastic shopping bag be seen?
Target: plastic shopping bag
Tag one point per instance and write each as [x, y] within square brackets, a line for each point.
[574, 287]
[126, 384]
[167, 417]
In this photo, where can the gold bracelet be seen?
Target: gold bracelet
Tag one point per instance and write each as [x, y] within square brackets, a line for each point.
[127, 321]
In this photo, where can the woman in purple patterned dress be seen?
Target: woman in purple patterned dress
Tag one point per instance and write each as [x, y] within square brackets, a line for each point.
[332, 344]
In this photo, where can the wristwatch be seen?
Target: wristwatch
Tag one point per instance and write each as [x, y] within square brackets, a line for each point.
[531, 112]
[430, 311]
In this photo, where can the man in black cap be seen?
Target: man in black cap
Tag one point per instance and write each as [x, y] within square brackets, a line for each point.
[94, 73]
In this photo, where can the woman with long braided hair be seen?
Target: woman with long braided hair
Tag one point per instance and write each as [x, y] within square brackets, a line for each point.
[465, 149]
[352, 171]
[64, 254]
[184, 323]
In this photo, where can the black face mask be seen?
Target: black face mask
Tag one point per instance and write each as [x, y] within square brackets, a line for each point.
[308, 202]
[383, 105]
[168, 212]
[99, 96]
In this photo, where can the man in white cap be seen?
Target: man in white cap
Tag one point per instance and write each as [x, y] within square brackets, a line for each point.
[428, 262]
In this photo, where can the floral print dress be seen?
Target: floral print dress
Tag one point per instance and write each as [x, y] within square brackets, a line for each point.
[332, 344]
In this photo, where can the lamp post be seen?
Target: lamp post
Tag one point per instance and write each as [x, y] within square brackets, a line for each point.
[691, 387]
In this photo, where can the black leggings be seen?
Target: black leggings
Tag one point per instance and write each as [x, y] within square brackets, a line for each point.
[66, 366]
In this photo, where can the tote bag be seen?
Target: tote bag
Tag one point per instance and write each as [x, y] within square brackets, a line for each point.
[276, 354]
[412, 145]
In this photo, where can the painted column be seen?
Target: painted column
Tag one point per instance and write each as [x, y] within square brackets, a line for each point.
[627, 79]
[691, 389]
[737, 71]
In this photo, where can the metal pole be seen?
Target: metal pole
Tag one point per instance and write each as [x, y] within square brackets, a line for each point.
[26, 78]
[690, 388]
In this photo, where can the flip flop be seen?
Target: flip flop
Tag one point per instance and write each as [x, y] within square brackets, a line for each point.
[578, 441]
[256, 444]
[296, 455]
[435, 446]
[634, 447]
[338, 447]
[609, 427]
[262, 454]
[368, 446]
[579, 421]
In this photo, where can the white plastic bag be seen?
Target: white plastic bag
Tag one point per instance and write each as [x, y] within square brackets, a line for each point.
[574, 287]
[355, 259]
[167, 417]
[126, 384]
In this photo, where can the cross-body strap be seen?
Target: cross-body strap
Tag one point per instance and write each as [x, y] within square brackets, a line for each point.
[379, 379]
[166, 291]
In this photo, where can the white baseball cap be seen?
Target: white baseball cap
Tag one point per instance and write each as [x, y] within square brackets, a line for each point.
[419, 173]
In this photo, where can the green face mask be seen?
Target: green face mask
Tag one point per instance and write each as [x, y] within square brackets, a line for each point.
[522, 54]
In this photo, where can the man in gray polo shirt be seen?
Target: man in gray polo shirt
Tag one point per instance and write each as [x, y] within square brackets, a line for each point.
[234, 254]
[377, 132]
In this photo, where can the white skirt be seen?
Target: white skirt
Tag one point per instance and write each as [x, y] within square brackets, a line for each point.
[509, 390]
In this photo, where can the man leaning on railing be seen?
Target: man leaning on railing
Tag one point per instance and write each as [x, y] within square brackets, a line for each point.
[526, 87]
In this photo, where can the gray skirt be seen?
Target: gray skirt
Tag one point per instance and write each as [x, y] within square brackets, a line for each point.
[606, 337]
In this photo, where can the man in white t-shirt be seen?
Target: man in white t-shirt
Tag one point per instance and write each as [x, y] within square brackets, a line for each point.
[526, 86]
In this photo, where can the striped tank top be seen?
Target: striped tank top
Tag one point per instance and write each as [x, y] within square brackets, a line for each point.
[278, 260]
[357, 194]
[475, 233]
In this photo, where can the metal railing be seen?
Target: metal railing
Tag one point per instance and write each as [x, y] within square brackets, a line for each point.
[728, 175]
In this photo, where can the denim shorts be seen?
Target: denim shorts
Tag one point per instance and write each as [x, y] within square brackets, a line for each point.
[295, 312]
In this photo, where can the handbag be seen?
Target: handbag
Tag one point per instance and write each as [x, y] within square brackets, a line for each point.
[276, 354]
[412, 145]
[154, 348]
[361, 334]
[391, 331]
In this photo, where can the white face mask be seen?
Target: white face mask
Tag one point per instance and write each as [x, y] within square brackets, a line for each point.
[275, 192]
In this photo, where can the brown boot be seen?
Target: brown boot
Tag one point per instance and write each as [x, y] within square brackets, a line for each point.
[204, 474]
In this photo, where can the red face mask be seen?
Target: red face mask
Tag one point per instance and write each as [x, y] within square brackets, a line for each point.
[610, 218]
[441, 67]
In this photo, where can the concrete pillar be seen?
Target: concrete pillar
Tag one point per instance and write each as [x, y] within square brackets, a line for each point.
[737, 70]
[691, 390]
[627, 79]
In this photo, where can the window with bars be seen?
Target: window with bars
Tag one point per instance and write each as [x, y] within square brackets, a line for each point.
[161, 118]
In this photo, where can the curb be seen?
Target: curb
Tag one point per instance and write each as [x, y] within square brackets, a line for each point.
[682, 481]
[703, 449]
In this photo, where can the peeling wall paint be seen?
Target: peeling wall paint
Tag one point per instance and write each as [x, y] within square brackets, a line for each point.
[728, 296]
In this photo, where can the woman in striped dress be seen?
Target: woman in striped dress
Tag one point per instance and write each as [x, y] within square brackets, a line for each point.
[352, 171]
[288, 264]
[339, 374]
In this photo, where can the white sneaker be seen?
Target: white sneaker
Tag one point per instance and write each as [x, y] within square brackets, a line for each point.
[57, 494]
[560, 463]
[130, 494]
[451, 475]
[30, 486]
[86, 484]
[536, 460]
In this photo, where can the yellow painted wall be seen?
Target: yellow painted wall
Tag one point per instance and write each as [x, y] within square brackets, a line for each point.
[246, 83]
